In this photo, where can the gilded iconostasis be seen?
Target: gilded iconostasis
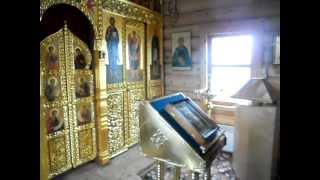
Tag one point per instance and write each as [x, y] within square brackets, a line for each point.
[99, 59]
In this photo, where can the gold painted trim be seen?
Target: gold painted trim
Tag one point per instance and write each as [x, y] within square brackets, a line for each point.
[131, 10]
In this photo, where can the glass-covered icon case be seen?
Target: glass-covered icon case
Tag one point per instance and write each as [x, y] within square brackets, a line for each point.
[173, 129]
[193, 120]
[187, 118]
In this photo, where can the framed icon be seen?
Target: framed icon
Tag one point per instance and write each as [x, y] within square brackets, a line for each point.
[190, 117]
[52, 58]
[181, 51]
[55, 120]
[85, 113]
[52, 88]
[135, 51]
[83, 87]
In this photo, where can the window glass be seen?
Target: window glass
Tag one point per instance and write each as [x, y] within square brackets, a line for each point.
[232, 50]
[226, 81]
[230, 68]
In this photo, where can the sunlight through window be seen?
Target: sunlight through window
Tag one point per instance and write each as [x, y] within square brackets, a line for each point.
[230, 64]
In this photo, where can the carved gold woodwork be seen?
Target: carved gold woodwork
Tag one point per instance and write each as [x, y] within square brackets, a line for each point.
[130, 10]
[116, 124]
[135, 31]
[82, 131]
[56, 140]
[155, 84]
[135, 86]
[119, 106]
[134, 98]
[69, 143]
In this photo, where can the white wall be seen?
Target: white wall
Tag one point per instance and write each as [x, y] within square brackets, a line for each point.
[211, 17]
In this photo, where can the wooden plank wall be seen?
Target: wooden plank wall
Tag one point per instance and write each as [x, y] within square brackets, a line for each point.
[211, 17]
[204, 17]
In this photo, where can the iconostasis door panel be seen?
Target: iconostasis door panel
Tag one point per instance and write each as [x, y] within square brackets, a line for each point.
[155, 74]
[54, 104]
[125, 71]
[115, 122]
[67, 103]
[116, 100]
[135, 49]
[135, 76]
[135, 96]
[126, 66]
[81, 94]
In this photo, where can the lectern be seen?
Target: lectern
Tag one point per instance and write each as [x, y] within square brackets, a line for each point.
[174, 130]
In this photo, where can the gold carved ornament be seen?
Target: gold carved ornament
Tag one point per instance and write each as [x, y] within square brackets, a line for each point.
[57, 142]
[83, 136]
[72, 145]
[115, 122]
[130, 10]
[135, 97]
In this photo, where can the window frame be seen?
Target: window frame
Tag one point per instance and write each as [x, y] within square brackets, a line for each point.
[211, 66]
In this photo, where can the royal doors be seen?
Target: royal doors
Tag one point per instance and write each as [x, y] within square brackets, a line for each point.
[67, 103]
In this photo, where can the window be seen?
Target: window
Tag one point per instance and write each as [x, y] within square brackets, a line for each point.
[276, 50]
[230, 64]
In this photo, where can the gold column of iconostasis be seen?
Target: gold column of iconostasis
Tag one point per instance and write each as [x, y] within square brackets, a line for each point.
[67, 102]
[129, 73]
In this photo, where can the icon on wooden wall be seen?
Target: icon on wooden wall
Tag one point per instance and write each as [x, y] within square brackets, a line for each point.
[55, 121]
[82, 87]
[114, 68]
[181, 48]
[52, 89]
[155, 56]
[52, 59]
[84, 114]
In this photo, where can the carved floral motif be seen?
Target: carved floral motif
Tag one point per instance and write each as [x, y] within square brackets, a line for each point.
[115, 122]
[135, 96]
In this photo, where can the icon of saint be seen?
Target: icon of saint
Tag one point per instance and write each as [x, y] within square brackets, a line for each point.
[181, 57]
[155, 66]
[112, 39]
[54, 122]
[84, 115]
[114, 69]
[52, 89]
[79, 60]
[134, 50]
[83, 88]
[52, 59]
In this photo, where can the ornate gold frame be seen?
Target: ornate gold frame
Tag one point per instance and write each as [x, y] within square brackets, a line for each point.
[129, 92]
[62, 153]
[73, 145]
[155, 88]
